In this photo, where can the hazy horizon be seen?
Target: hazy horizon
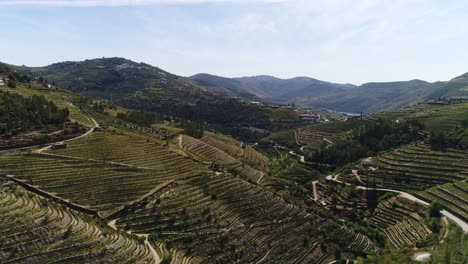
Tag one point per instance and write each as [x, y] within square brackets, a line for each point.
[336, 41]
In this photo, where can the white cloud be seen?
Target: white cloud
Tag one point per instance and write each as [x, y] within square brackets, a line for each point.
[90, 3]
[102, 2]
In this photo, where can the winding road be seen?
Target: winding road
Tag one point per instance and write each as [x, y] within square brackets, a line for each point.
[301, 158]
[49, 145]
[95, 125]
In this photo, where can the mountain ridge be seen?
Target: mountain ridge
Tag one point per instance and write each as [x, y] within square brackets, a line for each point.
[122, 78]
[368, 97]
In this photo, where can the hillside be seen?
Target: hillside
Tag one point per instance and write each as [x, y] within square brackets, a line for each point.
[33, 113]
[367, 98]
[373, 97]
[144, 87]
[45, 231]
[190, 213]
[114, 77]
[227, 85]
[145, 188]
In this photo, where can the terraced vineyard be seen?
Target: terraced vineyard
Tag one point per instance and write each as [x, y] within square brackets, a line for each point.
[339, 197]
[312, 138]
[33, 230]
[417, 167]
[453, 196]
[223, 219]
[101, 186]
[235, 148]
[229, 154]
[227, 144]
[128, 150]
[399, 220]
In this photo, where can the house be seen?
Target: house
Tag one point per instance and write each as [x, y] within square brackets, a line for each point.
[367, 162]
[1, 82]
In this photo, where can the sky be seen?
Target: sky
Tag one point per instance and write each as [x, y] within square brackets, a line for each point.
[342, 41]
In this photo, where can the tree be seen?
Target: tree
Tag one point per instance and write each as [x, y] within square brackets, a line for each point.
[434, 209]
[371, 193]
[438, 140]
[12, 83]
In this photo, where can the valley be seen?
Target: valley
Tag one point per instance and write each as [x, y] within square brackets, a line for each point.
[158, 168]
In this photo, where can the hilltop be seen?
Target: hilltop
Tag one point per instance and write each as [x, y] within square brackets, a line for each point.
[273, 89]
[118, 78]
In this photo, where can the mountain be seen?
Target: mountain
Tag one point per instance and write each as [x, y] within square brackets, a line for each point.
[456, 87]
[141, 86]
[373, 97]
[367, 98]
[118, 78]
[296, 87]
[271, 88]
[226, 85]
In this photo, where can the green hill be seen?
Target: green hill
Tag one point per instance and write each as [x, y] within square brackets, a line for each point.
[144, 87]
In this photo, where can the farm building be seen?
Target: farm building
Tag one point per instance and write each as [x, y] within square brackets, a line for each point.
[367, 162]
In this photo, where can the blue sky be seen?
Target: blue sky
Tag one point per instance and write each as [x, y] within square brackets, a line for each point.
[333, 40]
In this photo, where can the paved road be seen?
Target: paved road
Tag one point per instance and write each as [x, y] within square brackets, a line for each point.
[315, 190]
[301, 158]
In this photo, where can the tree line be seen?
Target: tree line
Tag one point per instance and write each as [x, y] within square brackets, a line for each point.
[18, 113]
[454, 138]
